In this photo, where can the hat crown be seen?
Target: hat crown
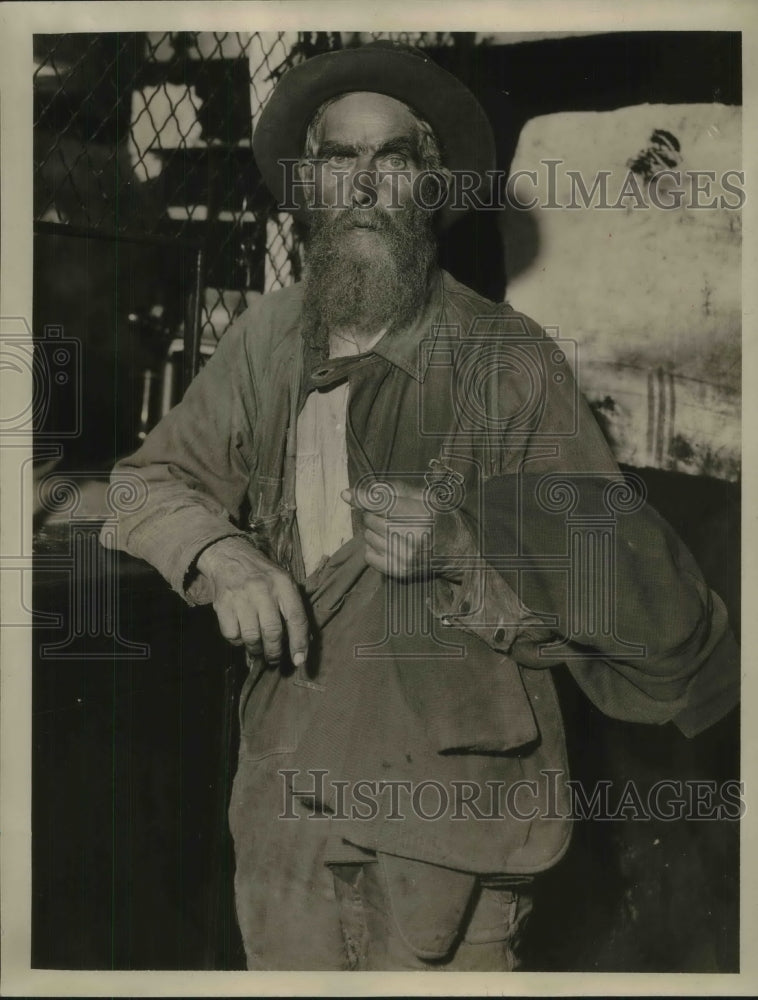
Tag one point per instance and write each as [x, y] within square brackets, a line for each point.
[390, 44]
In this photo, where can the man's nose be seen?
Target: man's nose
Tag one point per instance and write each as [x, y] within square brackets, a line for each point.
[363, 189]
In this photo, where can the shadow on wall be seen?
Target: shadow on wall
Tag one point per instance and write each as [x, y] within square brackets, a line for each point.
[521, 247]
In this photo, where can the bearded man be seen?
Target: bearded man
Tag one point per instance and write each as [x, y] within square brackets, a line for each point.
[369, 481]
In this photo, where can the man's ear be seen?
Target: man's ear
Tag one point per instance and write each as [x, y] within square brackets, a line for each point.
[436, 186]
[306, 173]
[305, 169]
[447, 176]
[446, 179]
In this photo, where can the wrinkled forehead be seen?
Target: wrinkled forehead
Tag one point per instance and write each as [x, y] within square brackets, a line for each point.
[365, 118]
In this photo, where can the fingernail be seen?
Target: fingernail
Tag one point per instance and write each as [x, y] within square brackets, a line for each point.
[298, 659]
[345, 494]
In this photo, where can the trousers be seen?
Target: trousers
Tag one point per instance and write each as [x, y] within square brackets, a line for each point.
[298, 912]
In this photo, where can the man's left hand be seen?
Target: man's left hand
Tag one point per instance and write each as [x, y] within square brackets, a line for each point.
[399, 537]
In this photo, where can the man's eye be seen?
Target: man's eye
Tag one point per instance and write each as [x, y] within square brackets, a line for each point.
[339, 159]
[395, 162]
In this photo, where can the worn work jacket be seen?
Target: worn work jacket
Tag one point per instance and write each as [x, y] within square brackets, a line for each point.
[559, 561]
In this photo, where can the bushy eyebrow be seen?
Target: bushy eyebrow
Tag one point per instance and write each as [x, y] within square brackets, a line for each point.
[332, 148]
[402, 144]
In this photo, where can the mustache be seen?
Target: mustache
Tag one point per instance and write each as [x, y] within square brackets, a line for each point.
[375, 219]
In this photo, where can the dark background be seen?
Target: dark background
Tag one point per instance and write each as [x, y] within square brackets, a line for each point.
[132, 759]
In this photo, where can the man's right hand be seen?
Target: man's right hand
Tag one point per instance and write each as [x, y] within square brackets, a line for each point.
[253, 598]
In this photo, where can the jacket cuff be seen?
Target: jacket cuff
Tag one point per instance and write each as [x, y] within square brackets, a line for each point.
[173, 544]
[714, 690]
[481, 603]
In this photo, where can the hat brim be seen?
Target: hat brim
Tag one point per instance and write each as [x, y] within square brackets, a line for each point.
[459, 121]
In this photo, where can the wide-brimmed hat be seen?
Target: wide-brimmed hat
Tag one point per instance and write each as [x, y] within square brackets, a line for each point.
[408, 75]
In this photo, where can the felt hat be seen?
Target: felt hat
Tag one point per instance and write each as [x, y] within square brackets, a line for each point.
[383, 67]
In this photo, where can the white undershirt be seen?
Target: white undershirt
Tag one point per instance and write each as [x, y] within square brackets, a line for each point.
[323, 518]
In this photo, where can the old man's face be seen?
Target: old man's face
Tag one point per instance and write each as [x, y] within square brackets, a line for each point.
[371, 246]
[369, 147]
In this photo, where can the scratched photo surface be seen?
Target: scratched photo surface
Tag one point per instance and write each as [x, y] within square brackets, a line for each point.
[518, 705]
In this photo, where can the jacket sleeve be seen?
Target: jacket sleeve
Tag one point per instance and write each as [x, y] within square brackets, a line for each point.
[657, 647]
[194, 469]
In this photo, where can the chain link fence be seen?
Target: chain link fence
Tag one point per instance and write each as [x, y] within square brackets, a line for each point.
[148, 138]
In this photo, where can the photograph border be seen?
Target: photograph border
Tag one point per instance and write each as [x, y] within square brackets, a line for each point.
[18, 23]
